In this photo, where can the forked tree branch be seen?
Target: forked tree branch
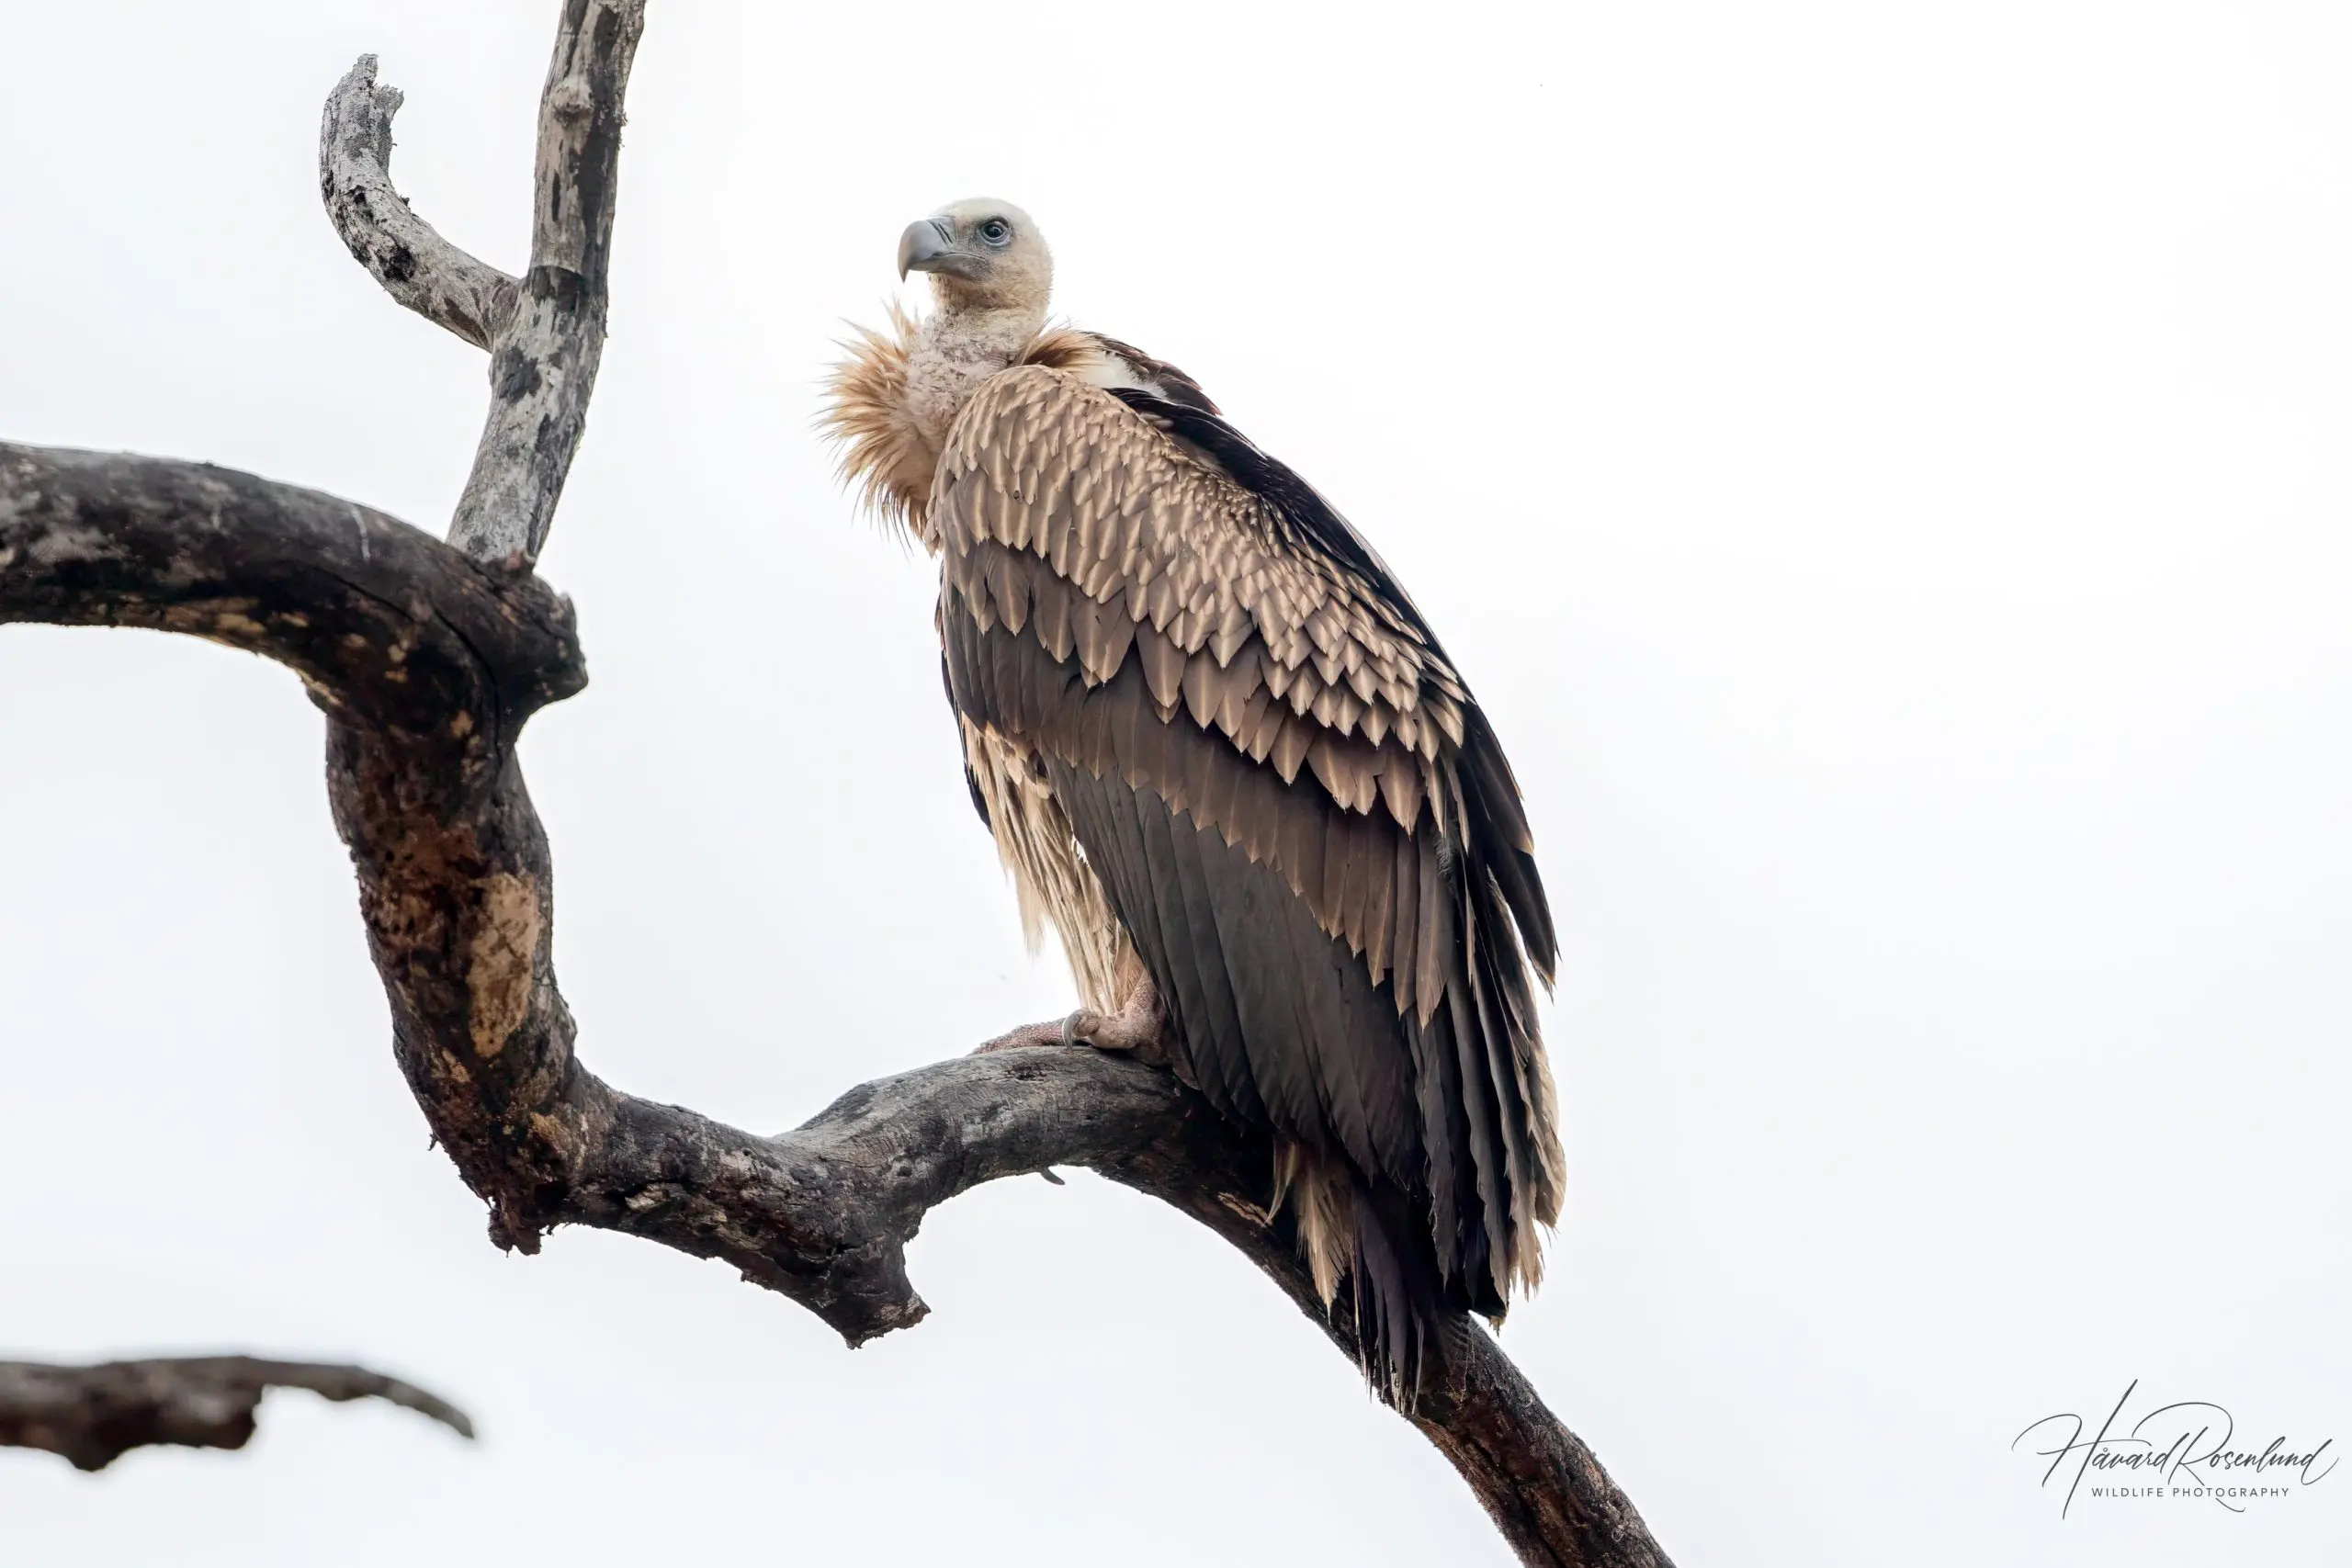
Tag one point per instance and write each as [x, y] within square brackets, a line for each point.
[429, 659]
[95, 1415]
[546, 331]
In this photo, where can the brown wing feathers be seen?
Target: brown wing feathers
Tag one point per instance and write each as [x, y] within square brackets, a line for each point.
[1298, 815]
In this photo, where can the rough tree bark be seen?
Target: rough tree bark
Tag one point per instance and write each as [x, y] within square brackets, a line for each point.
[95, 1415]
[429, 657]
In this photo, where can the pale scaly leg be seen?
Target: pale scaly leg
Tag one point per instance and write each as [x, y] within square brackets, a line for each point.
[1139, 1028]
[1052, 1032]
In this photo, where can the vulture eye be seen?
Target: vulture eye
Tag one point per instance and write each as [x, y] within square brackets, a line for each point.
[996, 232]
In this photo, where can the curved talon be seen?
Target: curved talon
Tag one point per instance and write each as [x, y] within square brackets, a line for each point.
[1069, 1028]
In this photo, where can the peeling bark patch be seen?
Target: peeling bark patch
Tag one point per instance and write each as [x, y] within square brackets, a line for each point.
[57, 547]
[552, 1132]
[513, 375]
[499, 970]
[218, 620]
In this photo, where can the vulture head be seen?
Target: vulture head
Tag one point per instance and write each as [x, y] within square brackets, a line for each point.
[982, 254]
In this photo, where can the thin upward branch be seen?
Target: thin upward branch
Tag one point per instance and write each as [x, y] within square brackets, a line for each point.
[543, 361]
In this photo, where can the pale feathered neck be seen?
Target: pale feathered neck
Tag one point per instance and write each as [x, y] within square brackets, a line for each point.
[957, 348]
[889, 401]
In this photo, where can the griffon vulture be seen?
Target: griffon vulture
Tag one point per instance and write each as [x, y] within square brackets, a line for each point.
[1224, 756]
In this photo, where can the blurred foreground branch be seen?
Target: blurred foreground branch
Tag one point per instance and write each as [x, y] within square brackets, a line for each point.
[95, 1415]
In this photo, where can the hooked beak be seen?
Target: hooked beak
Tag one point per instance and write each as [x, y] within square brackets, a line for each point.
[929, 246]
[924, 246]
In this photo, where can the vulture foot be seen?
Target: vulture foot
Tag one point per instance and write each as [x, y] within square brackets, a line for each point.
[1139, 1029]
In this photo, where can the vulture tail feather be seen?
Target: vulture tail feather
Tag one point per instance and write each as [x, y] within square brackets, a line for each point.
[1394, 1292]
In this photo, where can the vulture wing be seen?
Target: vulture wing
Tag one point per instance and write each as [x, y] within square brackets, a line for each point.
[1296, 809]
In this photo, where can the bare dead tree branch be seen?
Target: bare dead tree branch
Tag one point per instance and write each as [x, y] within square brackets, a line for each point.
[95, 1415]
[405, 253]
[429, 659]
[427, 665]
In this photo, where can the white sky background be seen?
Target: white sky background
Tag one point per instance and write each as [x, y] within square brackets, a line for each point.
[1883, 468]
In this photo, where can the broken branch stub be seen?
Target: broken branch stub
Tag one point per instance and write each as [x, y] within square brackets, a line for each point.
[400, 250]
